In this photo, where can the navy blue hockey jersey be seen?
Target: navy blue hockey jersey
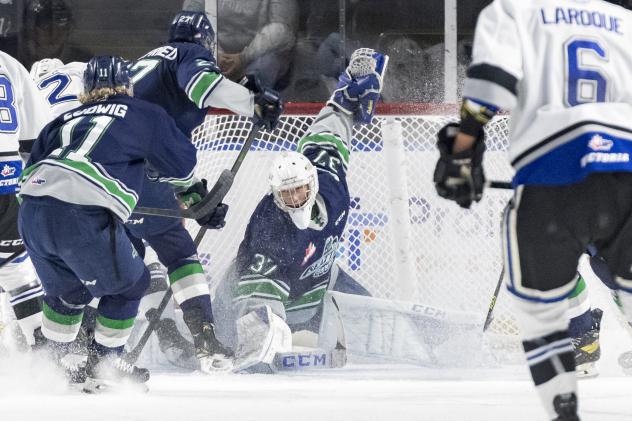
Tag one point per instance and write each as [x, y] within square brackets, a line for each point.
[179, 77]
[278, 261]
[95, 154]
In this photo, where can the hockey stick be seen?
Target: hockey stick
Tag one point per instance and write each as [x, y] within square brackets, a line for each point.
[492, 304]
[215, 197]
[503, 185]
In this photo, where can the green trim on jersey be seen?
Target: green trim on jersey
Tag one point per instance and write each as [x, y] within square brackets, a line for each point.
[323, 140]
[264, 288]
[112, 186]
[201, 88]
[579, 288]
[309, 299]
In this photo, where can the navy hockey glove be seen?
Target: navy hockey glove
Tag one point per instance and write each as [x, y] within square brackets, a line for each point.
[193, 195]
[268, 103]
[459, 176]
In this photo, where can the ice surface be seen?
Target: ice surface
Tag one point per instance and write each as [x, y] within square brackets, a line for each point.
[29, 391]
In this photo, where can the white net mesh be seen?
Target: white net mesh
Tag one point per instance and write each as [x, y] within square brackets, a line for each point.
[453, 257]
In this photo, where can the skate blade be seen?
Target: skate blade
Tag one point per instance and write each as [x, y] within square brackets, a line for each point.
[586, 371]
[216, 365]
[100, 386]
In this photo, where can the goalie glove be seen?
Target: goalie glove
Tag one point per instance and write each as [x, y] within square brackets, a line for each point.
[360, 85]
[193, 195]
[459, 176]
[268, 103]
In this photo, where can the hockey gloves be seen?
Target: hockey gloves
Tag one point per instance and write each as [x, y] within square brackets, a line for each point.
[268, 103]
[193, 195]
[459, 176]
[359, 86]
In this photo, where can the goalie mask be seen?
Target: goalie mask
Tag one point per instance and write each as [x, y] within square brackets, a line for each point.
[294, 184]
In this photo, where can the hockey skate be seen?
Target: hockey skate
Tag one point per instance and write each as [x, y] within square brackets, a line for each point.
[210, 352]
[111, 373]
[587, 348]
[566, 407]
[173, 345]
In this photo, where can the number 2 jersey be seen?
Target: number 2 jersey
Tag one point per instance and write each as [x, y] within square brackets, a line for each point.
[23, 113]
[276, 260]
[95, 155]
[62, 87]
[563, 69]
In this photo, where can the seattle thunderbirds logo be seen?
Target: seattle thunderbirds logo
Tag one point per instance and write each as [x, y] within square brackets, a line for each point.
[7, 171]
[309, 252]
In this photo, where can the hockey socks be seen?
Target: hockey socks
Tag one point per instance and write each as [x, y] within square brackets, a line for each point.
[27, 306]
[552, 365]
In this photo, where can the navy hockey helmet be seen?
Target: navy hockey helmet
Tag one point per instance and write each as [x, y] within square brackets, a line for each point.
[106, 72]
[192, 27]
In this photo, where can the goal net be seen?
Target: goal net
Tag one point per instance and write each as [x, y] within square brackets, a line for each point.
[402, 241]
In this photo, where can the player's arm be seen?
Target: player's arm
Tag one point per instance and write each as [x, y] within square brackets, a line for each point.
[491, 85]
[34, 114]
[205, 86]
[174, 159]
[328, 141]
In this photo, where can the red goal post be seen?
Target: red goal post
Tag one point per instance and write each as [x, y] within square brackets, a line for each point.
[402, 241]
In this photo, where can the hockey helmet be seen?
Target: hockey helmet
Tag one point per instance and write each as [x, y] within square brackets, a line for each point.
[105, 72]
[294, 184]
[44, 66]
[192, 27]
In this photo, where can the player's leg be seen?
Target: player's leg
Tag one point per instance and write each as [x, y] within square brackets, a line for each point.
[541, 256]
[17, 277]
[584, 326]
[88, 255]
[176, 251]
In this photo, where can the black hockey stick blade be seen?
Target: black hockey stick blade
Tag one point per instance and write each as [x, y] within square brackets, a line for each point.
[503, 185]
[492, 304]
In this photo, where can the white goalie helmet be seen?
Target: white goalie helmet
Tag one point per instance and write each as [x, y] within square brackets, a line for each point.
[44, 66]
[294, 184]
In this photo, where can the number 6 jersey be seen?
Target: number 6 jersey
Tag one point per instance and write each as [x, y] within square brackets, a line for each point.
[23, 113]
[563, 68]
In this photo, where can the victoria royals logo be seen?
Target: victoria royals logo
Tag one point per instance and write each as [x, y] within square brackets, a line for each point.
[598, 143]
[7, 171]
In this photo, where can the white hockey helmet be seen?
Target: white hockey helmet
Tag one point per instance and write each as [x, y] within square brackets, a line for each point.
[294, 183]
[44, 66]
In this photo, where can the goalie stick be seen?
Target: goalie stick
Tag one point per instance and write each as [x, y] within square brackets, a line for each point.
[210, 201]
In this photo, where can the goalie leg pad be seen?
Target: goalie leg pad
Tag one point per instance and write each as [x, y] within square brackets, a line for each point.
[261, 334]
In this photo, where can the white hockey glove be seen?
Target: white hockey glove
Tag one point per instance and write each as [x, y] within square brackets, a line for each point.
[360, 85]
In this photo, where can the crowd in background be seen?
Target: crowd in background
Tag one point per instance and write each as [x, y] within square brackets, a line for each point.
[296, 46]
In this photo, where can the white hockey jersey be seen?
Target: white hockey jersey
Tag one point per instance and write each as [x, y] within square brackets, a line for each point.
[23, 114]
[62, 86]
[563, 68]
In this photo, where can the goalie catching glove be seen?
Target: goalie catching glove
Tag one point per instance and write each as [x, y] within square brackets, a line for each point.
[359, 86]
[193, 195]
[268, 103]
[459, 176]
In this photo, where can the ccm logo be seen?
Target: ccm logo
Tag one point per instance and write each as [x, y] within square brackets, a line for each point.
[304, 360]
[10, 243]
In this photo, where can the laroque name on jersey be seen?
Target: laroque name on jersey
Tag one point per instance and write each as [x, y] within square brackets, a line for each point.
[580, 17]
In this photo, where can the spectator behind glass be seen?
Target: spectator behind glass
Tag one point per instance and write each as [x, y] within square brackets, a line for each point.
[45, 29]
[254, 36]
